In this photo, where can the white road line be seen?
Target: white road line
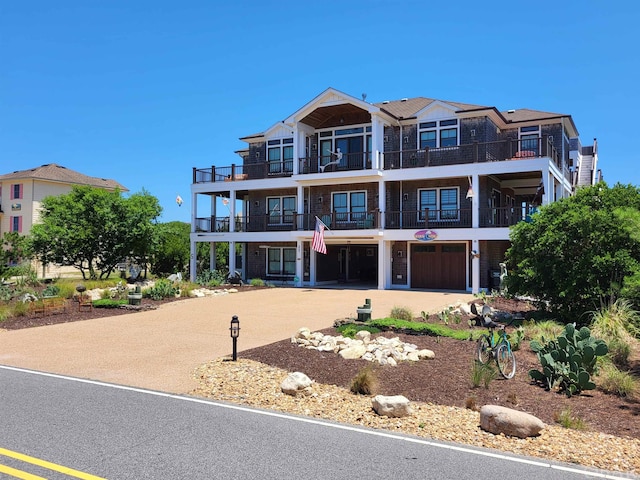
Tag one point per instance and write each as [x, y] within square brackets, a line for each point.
[322, 423]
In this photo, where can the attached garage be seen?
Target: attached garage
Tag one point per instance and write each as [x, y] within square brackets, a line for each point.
[441, 266]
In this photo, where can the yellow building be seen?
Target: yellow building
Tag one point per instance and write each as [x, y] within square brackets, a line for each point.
[22, 191]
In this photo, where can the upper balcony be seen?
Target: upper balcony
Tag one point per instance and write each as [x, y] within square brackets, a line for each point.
[462, 154]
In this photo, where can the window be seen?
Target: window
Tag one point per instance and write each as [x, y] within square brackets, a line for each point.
[16, 191]
[281, 261]
[441, 202]
[16, 224]
[529, 140]
[439, 134]
[280, 209]
[280, 155]
[349, 206]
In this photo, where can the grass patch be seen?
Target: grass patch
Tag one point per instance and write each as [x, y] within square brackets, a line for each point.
[482, 373]
[420, 328]
[350, 329]
[549, 329]
[109, 303]
[568, 420]
[614, 381]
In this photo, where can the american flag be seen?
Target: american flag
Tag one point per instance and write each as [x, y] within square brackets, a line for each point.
[318, 238]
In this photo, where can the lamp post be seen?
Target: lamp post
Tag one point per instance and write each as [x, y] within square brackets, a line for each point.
[235, 332]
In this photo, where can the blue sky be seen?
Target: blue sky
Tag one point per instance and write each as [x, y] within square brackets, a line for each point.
[142, 91]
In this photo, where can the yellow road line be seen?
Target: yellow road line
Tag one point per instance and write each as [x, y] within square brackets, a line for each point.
[51, 466]
[19, 473]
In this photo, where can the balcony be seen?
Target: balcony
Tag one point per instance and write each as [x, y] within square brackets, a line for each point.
[428, 157]
[489, 217]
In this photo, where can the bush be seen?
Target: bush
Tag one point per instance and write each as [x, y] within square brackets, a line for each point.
[421, 328]
[365, 382]
[163, 288]
[211, 278]
[5, 293]
[109, 303]
[402, 313]
[256, 282]
[548, 329]
[51, 291]
[613, 325]
[569, 361]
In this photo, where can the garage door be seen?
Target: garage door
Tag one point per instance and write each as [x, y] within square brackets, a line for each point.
[439, 266]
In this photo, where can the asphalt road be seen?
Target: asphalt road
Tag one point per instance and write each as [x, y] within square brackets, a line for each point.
[107, 431]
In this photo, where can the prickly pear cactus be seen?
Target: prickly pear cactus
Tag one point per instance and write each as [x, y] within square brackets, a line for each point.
[569, 361]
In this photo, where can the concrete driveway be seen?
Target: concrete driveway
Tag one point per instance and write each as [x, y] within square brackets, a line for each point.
[159, 349]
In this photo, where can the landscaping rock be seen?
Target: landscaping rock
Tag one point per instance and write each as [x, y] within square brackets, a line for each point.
[296, 382]
[391, 406]
[497, 419]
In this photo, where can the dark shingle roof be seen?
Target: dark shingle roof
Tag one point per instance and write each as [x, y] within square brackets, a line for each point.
[58, 173]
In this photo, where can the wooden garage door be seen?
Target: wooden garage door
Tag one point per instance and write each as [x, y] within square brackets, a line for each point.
[438, 266]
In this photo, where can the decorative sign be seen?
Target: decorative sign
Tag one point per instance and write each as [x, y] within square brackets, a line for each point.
[425, 235]
[16, 206]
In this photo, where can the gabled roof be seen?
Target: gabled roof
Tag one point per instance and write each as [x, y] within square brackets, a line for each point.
[57, 173]
[409, 107]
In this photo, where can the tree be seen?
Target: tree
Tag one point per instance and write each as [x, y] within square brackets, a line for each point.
[173, 252]
[143, 209]
[579, 252]
[92, 229]
[15, 248]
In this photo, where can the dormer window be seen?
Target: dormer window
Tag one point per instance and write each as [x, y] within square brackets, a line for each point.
[443, 133]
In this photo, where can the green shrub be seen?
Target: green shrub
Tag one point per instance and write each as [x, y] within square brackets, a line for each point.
[256, 282]
[568, 420]
[569, 361]
[612, 380]
[482, 373]
[51, 291]
[5, 293]
[365, 382]
[350, 329]
[211, 278]
[5, 312]
[20, 309]
[613, 324]
[516, 338]
[402, 313]
[186, 288]
[109, 303]
[163, 288]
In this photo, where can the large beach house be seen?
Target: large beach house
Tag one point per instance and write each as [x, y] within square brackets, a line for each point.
[414, 193]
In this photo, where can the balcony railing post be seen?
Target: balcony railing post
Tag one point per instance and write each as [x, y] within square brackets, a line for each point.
[426, 217]
[295, 225]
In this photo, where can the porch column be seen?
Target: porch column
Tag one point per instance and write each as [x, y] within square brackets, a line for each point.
[232, 257]
[232, 212]
[382, 201]
[312, 267]
[299, 263]
[475, 201]
[384, 265]
[377, 145]
[475, 266]
[300, 209]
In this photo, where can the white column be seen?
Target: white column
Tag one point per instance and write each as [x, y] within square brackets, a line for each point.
[377, 142]
[299, 263]
[475, 266]
[312, 267]
[232, 211]
[300, 206]
[384, 265]
[232, 257]
[192, 261]
[475, 201]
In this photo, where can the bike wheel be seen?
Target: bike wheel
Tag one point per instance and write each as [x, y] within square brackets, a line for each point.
[483, 349]
[506, 361]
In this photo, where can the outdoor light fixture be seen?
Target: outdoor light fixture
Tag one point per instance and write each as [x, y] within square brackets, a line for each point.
[235, 333]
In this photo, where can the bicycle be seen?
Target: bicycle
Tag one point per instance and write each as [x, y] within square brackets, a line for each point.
[496, 347]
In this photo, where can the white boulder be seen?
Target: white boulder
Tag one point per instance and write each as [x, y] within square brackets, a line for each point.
[391, 406]
[296, 382]
[497, 419]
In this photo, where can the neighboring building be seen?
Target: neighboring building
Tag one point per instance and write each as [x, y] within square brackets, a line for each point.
[21, 193]
[417, 193]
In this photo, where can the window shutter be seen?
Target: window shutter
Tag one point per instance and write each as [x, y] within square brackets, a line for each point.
[21, 186]
[20, 218]
[11, 193]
